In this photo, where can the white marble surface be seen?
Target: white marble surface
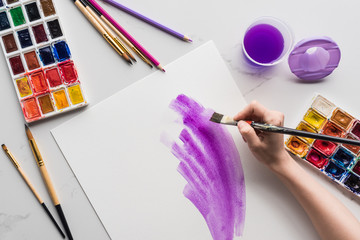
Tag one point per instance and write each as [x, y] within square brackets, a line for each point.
[104, 73]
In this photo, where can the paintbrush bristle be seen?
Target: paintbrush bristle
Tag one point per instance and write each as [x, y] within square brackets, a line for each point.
[223, 119]
[216, 117]
[28, 132]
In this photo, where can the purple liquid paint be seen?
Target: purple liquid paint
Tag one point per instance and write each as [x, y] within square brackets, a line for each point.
[210, 163]
[264, 43]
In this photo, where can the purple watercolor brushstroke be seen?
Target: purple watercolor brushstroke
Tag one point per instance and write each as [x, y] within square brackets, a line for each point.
[210, 163]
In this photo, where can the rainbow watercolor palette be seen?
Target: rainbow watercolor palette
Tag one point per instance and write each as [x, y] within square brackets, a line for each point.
[39, 59]
[340, 162]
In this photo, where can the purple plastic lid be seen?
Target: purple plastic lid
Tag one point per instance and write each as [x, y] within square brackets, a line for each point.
[314, 58]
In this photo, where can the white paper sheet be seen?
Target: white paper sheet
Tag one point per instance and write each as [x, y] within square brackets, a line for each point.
[115, 151]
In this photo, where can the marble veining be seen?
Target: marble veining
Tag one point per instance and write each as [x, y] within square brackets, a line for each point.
[8, 222]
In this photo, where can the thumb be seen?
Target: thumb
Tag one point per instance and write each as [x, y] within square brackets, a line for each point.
[248, 133]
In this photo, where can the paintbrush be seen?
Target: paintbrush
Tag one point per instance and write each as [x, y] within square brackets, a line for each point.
[82, 7]
[138, 48]
[114, 26]
[46, 177]
[27, 181]
[106, 25]
[222, 119]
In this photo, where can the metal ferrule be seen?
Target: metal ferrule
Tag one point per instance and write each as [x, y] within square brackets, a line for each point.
[117, 41]
[12, 158]
[113, 43]
[232, 123]
[141, 56]
[36, 153]
[228, 121]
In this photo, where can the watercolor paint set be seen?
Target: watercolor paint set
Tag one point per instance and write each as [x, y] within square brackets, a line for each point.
[39, 59]
[340, 162]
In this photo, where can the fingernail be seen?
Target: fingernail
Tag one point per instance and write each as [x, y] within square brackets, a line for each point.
[241, 124]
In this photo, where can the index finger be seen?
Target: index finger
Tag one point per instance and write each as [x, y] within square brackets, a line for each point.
[254, 112]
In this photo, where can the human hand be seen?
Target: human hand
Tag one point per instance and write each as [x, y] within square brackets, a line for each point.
[267, 147]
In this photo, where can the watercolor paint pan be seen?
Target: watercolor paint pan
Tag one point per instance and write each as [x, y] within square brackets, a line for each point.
[339, 162]
[39, 59]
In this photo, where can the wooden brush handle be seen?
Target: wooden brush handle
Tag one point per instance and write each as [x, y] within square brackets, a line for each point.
[49, 185]
[30, 185]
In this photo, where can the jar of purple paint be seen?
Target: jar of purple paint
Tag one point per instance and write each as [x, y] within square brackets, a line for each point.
[267, 41]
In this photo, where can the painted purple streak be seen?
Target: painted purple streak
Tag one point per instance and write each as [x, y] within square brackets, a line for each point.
[210, 163]
[264, 43]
